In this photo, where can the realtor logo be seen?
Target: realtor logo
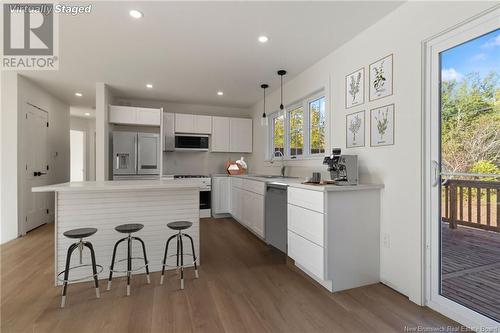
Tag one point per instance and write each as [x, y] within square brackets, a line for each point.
[28, 36]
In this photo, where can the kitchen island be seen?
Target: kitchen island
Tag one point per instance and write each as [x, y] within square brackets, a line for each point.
[107, 204]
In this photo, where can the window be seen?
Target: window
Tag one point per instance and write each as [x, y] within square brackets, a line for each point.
[317, 125]
[296, 131]
[302, 133]
[278, 131]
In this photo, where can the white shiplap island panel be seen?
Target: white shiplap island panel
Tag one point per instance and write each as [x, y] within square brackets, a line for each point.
[105, 208]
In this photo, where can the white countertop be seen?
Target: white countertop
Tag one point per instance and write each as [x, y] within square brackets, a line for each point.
[117, 185]
[297, 183]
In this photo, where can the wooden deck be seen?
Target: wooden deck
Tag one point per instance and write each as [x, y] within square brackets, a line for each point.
[471, 268]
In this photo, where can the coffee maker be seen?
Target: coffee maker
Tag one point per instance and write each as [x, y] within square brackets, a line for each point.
[343, 168]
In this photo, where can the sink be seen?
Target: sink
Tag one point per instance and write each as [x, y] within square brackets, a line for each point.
[273, 176]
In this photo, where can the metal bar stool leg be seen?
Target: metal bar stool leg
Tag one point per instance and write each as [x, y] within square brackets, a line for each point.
[182, 261]
[178, 251]
[194, 255]
[129, 263]
[66, 273]
[165, 258]
[94, 268]
[145, 258]
[113, 263]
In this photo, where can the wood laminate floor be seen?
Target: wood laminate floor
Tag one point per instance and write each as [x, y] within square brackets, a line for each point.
[243, 287]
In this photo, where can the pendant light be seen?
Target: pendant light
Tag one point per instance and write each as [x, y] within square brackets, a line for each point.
[264, 119]
[281, 73]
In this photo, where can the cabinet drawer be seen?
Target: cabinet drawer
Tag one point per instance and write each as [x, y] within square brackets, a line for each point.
[306, 198]
[306, 254]
[306, 223]
[254, 186]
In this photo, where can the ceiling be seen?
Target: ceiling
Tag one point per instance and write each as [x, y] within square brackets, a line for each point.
[191, 50]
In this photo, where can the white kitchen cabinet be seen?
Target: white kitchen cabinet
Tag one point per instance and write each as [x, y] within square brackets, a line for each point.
[184, 123]
[221, 195]
[220, 134]
[151, 117]
[307, 254]
[129, 115]
[202, 124]
[334, 234]
[193, 124]
[237, 203]
[253, 212]
[240, 135]
[247, 206]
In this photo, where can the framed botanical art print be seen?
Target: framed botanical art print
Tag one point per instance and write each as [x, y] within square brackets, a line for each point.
[382, 126]
[355, 129]
[355, 88]
[381, 78]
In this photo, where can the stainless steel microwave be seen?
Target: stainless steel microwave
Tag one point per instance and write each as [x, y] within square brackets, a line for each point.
[191, 142]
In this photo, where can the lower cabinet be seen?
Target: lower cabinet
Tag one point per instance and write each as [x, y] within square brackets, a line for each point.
[306, 254]
[221, 195]
[247, 207]
[306, 231]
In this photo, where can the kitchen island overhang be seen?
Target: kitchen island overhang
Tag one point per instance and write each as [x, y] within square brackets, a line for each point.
[107, 204]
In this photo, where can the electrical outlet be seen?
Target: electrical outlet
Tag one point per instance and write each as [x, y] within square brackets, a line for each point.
[386, 240]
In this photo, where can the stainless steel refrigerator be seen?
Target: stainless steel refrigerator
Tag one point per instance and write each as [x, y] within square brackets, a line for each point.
[136, 155]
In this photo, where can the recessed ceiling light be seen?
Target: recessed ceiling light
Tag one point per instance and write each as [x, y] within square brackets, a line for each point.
[149, 85]
[87, 114]
[220, 93]
[135, 14]
[263, 39]
[78, 94]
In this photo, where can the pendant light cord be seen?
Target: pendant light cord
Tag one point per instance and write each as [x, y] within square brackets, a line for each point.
[281, 105]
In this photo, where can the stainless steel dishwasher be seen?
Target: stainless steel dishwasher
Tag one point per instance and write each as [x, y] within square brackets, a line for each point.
[276, 215]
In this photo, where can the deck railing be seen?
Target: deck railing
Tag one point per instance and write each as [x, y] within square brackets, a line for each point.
[472, 203]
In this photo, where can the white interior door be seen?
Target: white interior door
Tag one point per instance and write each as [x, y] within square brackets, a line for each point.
[35, 206]
[77, 155]
[433, 168]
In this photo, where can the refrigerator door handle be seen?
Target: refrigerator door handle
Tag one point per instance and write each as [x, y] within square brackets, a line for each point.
[137, 153]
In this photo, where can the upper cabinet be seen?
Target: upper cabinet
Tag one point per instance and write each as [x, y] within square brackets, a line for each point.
[233, 135]
[193, 124]
[220, 134]
[240, 135]
[129, 115]
[203, 124]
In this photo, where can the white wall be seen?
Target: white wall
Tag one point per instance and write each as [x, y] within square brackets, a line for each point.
[194, 162]
[398, 167]
[103, 98]
[86, 125]
[9, 142]
[16, 92]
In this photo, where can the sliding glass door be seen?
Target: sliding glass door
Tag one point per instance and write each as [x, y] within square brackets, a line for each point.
[463, 172]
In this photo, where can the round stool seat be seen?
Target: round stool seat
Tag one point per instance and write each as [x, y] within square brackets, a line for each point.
[80, 232]
[179, 225]
[129, 228]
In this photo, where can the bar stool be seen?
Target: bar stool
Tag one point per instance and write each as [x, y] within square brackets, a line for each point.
[79, 234]
[128, 229]
[179, 226]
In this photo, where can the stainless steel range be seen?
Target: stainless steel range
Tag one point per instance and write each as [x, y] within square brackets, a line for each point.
[205, 183]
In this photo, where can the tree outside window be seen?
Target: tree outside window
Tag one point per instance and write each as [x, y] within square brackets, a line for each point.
[279, 134]
[317, 126]
[296, 117]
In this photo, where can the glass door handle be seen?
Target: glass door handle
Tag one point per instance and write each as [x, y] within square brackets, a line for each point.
[435, 173]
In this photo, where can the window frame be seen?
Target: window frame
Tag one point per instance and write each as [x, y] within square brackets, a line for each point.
[311, 99]
[306, 151]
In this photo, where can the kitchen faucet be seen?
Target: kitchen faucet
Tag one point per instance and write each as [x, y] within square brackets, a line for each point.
[283, 166]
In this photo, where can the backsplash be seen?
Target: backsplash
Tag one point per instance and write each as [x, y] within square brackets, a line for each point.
[202, 163]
